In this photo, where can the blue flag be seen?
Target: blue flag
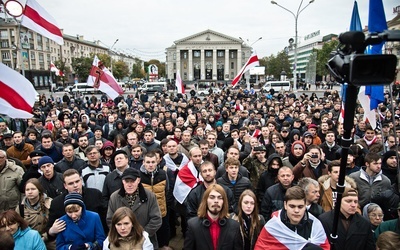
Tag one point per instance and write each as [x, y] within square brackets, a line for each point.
[376, 23]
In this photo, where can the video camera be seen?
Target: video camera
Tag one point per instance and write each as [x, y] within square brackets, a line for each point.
[349, 63]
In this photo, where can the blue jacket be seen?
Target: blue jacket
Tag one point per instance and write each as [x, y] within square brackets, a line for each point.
[87, 230]
[28, 239]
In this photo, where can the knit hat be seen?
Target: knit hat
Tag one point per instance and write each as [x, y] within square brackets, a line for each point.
[387, 155]
[300, 143]
[307, 134]
[74, 198]
[44, 160]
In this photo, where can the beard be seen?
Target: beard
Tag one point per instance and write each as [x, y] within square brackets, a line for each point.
[214, 210]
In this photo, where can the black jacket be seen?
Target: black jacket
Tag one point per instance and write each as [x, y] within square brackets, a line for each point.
[53, 187]
[198, 235]
[242, 183]
[268, 177]
[194, 199]
[76, 163]
[358, 236]
[112, 183]
[272, 200]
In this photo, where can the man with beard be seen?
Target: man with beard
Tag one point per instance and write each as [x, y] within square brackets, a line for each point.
[20, 150]
[390, 165]
[83, 143]
[207, 171]
[212, 229]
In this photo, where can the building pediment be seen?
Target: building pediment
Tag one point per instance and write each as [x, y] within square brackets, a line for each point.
[207, 36]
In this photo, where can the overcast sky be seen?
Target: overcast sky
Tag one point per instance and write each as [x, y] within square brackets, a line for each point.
[146, 28]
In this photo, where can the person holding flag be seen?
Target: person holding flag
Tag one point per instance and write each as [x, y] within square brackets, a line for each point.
[251, 63]
[293, 227]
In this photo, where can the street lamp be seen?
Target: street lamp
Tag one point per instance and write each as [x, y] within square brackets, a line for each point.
[296, 16]
[112, 46]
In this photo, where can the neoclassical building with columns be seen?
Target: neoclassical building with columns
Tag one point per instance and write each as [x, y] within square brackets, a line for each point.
[207, 55]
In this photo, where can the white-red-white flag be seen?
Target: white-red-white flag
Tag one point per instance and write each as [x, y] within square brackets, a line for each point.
[179, 84]
[365, 101]
[101, 78]
[54, 69]
[17, 95]
[186, 180]
[251, 63]
[37, 19]
[276, 235]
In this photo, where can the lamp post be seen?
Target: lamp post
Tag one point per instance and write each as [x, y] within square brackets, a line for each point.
[112, 46]
[296, 17]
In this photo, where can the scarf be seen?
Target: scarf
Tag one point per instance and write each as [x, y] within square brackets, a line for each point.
[369, 143]
[20, 146]
[131, 198]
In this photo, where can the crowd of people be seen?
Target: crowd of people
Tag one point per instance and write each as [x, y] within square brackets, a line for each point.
[233, 170]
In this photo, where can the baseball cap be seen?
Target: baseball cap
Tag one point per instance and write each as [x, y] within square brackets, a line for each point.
[130, 173]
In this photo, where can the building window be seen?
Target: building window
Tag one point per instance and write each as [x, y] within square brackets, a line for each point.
[184, 55]
[209, 53]
[33, 56]
[232, 55]
[4, 44]
[174, 56]
[6, 55]
[3, 34]
[196, 53]
[232, 65]
[221, 53]
[174, 65]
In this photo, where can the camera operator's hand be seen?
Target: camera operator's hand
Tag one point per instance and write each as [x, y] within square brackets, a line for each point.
[306, 157]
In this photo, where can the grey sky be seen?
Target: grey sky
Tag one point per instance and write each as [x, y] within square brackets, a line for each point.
[146, 28]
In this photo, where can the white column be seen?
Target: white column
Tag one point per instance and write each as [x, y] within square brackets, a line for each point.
[178, 62]
[202, 65]
[214, 68]
[239, 61]
[190, 65]
[227, 66]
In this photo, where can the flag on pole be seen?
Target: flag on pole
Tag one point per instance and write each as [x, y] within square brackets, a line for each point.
[373, 95]
[355, 25]
[37, 19]
[179, 84]
[251, 63]
[101, 78]
[17, 95]
[54, 69]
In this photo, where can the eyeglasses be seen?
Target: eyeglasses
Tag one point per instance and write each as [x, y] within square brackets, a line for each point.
[376, 215]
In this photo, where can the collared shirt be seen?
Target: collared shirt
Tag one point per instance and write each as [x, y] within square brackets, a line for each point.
[215, 229]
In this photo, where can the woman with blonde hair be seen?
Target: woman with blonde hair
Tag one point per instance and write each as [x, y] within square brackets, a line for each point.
[126, 232]
[250, 221]
[34, 208]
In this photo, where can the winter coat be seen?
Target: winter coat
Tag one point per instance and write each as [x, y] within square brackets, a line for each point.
[300, 171]
[389, 225]
[54, 186]
[112, 183]
[358, 235]
[28, 239]
[242, 183]
[325, 190]
[198, 235]
[144, 244]
[330, 152]
[88, 229]
[257, 231]
[145, 208]
[375, 147]
[156, 182]
[255, 167]
[93, 202]
[76, 163]
[21, 154]
[94, 177]
[268, 177]
[367, 192]
[272, 200]
[10, 178]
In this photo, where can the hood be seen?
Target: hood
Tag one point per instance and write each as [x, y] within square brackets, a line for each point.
[324, 181]
[272, 157]
[292, 133]
[106, 145]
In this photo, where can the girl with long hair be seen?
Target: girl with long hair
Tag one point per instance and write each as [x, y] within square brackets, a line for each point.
[126, 232]
[250, 221]
[34, 208]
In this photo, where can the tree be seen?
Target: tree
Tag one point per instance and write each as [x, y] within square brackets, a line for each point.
[60, 64]
[81, 66]
[161, 67]
[323, 55]
[137, 71]
[120, 69]
[275, 65]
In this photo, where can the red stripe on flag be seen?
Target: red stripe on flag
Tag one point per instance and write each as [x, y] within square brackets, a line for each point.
[13, 98]
[39, 20]
[187, 177]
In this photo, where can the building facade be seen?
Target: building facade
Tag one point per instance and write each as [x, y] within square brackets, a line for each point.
[31, 53]
[207, 55]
